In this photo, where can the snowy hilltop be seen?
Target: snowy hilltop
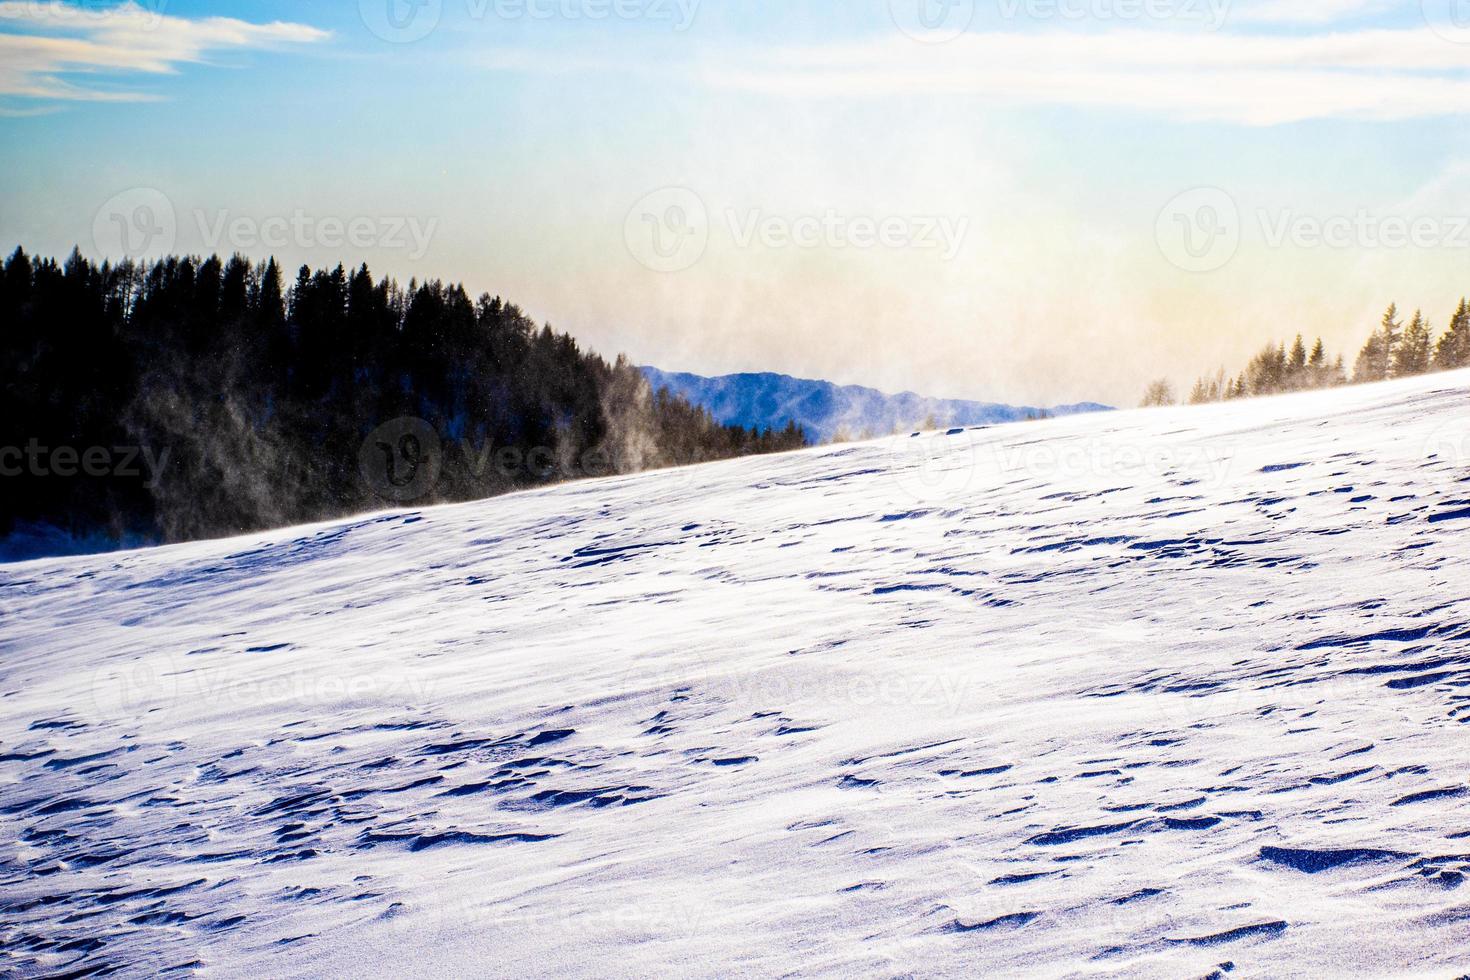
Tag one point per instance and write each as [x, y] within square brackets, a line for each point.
[1176, 692]
[826, 410]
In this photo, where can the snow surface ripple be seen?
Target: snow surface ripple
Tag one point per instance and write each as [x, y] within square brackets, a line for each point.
[1167, 693]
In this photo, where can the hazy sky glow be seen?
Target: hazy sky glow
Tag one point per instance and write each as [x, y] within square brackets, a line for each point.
[1019, 200]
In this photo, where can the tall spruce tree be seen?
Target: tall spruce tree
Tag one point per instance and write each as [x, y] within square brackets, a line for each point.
[1376, 359]
[1453, 350]
[1411, 357]
[1317, 365]
[1296, 365]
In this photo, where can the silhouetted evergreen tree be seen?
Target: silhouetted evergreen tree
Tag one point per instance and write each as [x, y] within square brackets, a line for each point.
[1412, 355]
[1296, 366]
[255, 401]
[1267, 371]
[1316, 370]
[1391, 351]
[1453, 350]
[1375, 360]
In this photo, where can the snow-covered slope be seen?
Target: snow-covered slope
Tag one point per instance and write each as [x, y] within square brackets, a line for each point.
[1143, 693]
[825, 410]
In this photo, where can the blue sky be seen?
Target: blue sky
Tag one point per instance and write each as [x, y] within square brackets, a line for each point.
[1039, 167]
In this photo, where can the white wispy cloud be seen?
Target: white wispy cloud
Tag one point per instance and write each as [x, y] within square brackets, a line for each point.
[1252, 79]
[56, 50]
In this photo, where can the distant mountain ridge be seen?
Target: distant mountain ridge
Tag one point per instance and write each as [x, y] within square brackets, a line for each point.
[824, 409]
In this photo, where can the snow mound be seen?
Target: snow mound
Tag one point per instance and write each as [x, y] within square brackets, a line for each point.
[1166, 693]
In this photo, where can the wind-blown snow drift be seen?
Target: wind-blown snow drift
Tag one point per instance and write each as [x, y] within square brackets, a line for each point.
[825, 410]
[1142, 693]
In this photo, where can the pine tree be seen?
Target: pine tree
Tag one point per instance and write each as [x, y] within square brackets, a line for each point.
[1268, 370]
[1370, 359]
[1317, 365]
[1453, 350]
[263, 396]
[1296, 365]
[1392, 328]
[1411, 357]
[1376, 360]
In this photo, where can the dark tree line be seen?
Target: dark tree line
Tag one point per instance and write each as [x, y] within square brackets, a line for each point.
[198, 397]
[1394, 350]
[1398, 351]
